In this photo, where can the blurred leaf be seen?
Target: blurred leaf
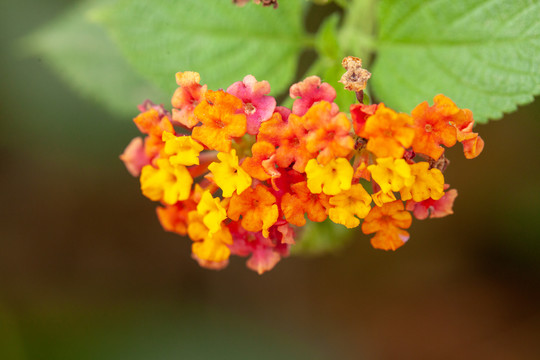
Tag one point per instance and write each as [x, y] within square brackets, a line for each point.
[157, 331]
[220, 41]
[82, 53]
[11, 346]
[482, 54]
[320, 238]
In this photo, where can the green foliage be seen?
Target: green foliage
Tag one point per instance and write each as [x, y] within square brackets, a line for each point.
[220, 41]
[482, 54]
[320, 238]
[82, 53]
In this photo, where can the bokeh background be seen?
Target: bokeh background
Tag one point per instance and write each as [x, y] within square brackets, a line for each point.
[86, 271]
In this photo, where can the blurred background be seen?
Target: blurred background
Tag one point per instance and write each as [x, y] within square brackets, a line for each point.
[86, 272]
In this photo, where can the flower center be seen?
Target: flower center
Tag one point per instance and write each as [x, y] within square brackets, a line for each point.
[249, 109]
[428, 128]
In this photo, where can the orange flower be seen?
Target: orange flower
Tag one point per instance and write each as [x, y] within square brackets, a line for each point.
[151, 122]
[257, 207]
[300, 201]
[222, 120]
[186, 97]
[389, 132]
[359, 114]
[262, 165]
[174, 218]
[463, 122]
[434, 126]
[388, 221]
[290, 137]
[328, 132]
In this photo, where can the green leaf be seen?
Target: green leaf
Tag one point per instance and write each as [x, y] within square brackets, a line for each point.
[482, 54]
[320, 238]
[213, 37]
[81, 52]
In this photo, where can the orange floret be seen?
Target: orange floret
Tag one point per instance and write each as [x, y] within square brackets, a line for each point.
[257, 207]
[434, 126]
[152, 123]
[186, 97]
[388, 221]
[389, 132]
[463, 122]
[174, 218]
[262, 165]
[300, 201]
[328, 132]
[222, 120]
[290, 138]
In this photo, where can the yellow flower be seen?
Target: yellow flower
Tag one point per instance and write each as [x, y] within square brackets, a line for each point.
[428, 183]
[331, 178]
[380, 198]
[167, 183]
[391, 174]
[184, 150]
[228, 175]
[355, 201]
[207, 246]
[211, 211]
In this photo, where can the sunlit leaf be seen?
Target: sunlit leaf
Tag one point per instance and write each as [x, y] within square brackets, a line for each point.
[482, 54]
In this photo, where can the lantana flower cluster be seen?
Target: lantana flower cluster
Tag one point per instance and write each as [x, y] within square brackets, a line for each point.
[240, 175]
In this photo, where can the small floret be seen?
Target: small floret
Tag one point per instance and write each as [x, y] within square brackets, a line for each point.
[348, 204]
[222, 120]
[258, 107]
[183, 150]
[166, 183]
[257, 207]
[388, 222]
[331, 178]
[228, 175]
[389, 133]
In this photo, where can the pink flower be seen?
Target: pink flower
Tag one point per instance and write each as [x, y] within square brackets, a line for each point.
[265, 252]
[433, 208]
[134, 157]
[310, 91]
[258, 107]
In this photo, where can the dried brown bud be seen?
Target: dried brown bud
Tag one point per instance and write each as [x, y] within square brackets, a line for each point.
[355, 79]
[440, 164]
